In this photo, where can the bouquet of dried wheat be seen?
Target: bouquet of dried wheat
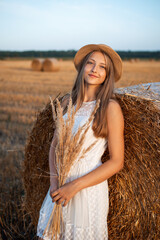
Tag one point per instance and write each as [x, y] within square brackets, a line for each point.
[68, 149]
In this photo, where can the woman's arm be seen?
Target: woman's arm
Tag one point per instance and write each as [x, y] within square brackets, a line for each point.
[115, 122]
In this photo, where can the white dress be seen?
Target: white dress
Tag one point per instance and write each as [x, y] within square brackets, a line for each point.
[85, 215]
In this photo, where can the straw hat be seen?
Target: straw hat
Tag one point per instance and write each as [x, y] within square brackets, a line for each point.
[117, 62]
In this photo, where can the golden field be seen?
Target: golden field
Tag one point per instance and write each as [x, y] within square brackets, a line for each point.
[23, 93]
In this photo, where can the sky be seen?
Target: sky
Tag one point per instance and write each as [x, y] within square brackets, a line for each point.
[71, 24]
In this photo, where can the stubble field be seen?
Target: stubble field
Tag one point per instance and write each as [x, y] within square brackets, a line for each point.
[23, 93]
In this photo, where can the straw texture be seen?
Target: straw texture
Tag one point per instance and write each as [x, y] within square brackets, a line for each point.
[36, 64]
[51, 65]
[134, 204]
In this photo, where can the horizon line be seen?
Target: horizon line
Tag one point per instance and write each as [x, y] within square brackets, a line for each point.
[129, 50]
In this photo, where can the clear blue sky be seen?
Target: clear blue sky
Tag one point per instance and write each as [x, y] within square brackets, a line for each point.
[69, 24]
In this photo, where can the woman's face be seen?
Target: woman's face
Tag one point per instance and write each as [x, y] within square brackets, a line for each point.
[95, 69]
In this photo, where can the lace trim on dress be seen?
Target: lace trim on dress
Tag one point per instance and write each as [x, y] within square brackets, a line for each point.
[86, 108]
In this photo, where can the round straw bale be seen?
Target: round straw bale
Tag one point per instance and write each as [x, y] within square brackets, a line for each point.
[132, 60]
[51, 65]
[134, 204]
[36, 64]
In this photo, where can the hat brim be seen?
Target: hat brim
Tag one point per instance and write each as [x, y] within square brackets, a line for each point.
[84, 51]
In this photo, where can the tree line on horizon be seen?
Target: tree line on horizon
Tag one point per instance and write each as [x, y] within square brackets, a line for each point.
[71, 53]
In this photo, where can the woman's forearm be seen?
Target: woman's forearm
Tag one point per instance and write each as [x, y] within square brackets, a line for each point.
[100, 174]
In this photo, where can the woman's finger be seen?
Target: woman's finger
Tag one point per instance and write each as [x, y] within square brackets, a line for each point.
[61, 200]
[65, 203]
[54, 193]
[54, 199]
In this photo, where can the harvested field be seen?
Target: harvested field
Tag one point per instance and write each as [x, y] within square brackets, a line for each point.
[23, 93]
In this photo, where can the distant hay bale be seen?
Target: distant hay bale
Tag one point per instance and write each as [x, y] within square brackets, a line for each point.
[152, 60]
[137, 60]
[51, 65]
[36, 64]
[134, 204]
[132, 60]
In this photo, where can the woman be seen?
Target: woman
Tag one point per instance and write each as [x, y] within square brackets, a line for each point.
[85, 194]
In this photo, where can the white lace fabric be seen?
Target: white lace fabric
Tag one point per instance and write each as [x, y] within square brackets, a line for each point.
[86, 108]
[85, 215]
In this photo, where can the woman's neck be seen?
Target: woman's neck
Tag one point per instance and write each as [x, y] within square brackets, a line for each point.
[90, 93]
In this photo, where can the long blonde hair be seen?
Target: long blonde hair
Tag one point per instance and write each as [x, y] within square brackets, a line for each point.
[105, 93]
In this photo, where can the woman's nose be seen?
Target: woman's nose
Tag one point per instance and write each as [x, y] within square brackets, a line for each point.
[94, 68]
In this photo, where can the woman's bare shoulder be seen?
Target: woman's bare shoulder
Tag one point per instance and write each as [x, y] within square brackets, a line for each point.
[114, 110]
[114, 103]
[113, 100]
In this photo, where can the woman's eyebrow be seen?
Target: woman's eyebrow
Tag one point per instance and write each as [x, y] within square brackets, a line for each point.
[94, 61]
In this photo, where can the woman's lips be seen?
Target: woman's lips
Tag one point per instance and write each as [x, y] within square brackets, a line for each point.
[91, 75]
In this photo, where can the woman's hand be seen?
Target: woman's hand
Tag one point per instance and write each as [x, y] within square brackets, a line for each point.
[53, 186]
[65, 193]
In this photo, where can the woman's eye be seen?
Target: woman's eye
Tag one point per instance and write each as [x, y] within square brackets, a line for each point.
[103, 67]
[89, 62]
